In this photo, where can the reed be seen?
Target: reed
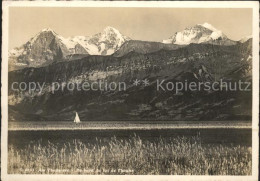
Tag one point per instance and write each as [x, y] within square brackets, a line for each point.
[175, 156]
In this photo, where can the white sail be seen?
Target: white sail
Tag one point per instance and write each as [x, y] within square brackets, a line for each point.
[77, 120]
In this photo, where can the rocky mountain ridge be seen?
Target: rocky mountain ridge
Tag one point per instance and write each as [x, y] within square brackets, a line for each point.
[191, 63]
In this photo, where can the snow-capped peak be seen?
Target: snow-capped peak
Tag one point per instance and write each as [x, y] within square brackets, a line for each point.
[47, 29]
[106, 42]
[215, 32]
[109, 28]
[208, 26]
[200, 33]
[110, 32]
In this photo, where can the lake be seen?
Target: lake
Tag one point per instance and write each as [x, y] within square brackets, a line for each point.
[136, 147]
[208, 136]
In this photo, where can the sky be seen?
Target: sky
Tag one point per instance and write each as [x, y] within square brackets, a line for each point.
[148, 24]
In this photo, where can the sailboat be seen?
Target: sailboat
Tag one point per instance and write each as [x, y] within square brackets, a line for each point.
[76, 119]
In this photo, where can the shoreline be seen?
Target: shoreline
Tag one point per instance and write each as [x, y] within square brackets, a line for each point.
[128, 128]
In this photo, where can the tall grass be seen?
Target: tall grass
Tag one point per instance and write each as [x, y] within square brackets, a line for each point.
[177, 156]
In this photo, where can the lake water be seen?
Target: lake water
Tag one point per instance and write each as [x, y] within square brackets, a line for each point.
[20, 139]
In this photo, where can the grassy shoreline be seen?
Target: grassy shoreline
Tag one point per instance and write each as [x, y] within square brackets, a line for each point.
[131, 125]
[179, 156]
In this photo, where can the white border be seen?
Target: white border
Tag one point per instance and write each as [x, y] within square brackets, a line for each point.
[164, 4]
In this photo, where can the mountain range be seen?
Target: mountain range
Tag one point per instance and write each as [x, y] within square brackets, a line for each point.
[198, 54]
[47, 46]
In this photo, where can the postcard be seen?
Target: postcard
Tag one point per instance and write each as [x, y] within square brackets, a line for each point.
[130, 90]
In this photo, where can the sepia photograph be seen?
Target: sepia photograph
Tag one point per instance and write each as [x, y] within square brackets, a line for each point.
[130, 90]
